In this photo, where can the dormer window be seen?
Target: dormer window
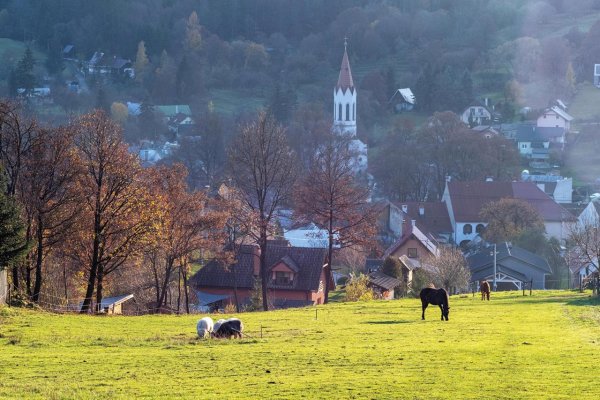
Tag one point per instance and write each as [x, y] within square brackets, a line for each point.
[283, 278]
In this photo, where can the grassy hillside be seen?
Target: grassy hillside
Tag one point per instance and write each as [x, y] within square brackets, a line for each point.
[510, 348]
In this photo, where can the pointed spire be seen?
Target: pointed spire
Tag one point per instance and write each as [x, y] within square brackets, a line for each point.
[345, 79]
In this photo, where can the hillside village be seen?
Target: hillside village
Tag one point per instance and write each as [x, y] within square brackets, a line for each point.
[425, 157]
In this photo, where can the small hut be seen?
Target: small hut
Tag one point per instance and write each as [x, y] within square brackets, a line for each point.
[113, 305]
[383, 284]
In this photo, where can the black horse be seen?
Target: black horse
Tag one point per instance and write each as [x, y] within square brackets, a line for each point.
[438, 297]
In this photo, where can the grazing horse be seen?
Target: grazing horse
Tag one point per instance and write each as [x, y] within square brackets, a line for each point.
[438, 297]
[485, 290]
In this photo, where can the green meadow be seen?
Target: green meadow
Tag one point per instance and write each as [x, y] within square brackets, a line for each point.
[546, 346]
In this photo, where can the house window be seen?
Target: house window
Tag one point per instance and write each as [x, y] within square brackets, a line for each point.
[557, 117]
[412, 252]
[479, 228]
[282, 278]
[347, 111]
[467, 229]
[340, 112]
[523, 146]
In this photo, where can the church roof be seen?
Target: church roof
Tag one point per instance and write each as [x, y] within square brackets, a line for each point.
[345, 79]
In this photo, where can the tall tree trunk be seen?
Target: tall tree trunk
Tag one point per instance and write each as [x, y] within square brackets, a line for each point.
[99, 288]
[38, 261]
[327, 268]
[27, 264]
[168, 270]
[235, 288]
[179, 290]
[185, 289]
[87, 301]
[263, 266]
[15, 278]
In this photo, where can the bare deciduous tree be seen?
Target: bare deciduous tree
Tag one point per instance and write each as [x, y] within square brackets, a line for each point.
[330, 196]
[118, 213]
[50, 197]
[448, 270]
[263, 169]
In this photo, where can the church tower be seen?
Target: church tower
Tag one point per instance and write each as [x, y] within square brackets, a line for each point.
[344, 99]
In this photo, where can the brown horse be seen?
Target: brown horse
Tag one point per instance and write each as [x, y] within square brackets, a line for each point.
[485, 290]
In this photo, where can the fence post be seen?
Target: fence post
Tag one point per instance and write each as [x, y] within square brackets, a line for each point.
[530, 286]
[523, 283]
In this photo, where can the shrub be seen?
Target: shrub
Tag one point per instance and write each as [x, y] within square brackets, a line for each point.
[358, 290]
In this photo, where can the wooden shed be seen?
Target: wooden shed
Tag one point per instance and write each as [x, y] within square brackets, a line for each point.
[113, 305]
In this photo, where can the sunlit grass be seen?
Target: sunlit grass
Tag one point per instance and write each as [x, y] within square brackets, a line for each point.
[512, 347]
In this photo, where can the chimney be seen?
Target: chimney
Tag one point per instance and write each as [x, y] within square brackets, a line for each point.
[256, 260]
[421, 210]
[404, 208]
[413, 222]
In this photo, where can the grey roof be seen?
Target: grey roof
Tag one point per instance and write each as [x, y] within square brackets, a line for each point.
[115, 301]
[382, 280]
[532, 133]
[485, 257]
[485, 274]
[308, 261]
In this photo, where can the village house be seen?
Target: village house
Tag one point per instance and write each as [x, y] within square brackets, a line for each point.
[403, 100]
[514, 267]
[414, 244]
[101, 64]
[389, 222]
[558, 188]
[555, 117]
[486, 131]
[296, 276]
[477, 114]
[465, 200]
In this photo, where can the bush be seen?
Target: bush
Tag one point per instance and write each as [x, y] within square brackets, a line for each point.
[420, 279]
[358, 290]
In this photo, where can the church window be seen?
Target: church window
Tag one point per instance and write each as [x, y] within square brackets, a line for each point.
[340, 112]
[347, 111]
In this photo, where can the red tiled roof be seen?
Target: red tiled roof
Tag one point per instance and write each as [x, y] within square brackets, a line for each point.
[345, 78]
[468, 198]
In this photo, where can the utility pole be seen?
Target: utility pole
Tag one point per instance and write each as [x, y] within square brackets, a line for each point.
[495, 253]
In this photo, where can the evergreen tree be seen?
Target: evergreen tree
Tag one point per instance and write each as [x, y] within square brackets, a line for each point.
[24, 77]
[12, 229]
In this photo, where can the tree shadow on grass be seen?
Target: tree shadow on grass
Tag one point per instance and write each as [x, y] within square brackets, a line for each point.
[402, 321]
[585, 301]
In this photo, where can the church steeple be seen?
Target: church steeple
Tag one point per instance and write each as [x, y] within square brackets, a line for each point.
[344, 98]
[345, 81]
